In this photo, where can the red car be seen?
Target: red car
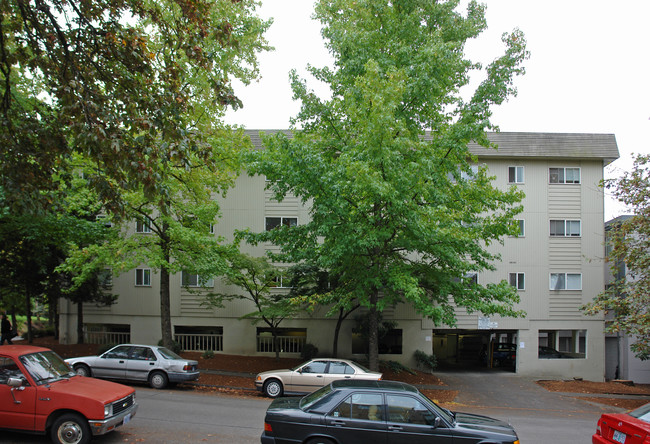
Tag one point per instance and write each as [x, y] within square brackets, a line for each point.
[40, 393]
[624, 428]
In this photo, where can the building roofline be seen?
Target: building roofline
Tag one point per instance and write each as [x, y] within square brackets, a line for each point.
[594, 146]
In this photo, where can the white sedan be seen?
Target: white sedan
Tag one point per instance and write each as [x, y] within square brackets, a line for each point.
[155, 365]
[310, 376]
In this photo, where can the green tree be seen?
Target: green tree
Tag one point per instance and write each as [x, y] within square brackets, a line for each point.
[397, 212]
[314, 287]
[173, 233]
[257, 278]
[628, 298]
[129, 83]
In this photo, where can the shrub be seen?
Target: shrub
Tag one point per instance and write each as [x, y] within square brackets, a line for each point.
[176, 347]
[208, 354]
[396, 367]
[428, 362]
[309, 351]
[104, 348]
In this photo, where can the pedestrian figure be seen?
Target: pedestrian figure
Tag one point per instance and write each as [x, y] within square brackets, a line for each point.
[6, 330]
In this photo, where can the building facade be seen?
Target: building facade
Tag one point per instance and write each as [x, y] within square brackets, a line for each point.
[556, 264]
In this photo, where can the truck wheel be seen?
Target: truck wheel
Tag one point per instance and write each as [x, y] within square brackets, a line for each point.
[70, 428]
[273, 388]
[158, 380]
[83, 370]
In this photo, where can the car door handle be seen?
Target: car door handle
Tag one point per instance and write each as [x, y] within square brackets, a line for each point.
[394, 428]
[319, 376]
[338, 423]
[121, 362]
[348, 377]
[151, 363]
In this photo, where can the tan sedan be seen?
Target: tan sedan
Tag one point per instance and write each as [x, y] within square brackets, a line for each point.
[310, 376]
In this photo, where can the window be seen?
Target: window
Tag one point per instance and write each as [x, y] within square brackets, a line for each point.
[517, 280]
[404, 409]
[143, 226]
[340, 368]
[105, 278]
[315, 367]
[522, 227]
[562, 344]
[364, 406]
[516, 174]
[565, 228]
[143, 277]
[566, 281]
[275, 222]
[471, 175]
[103, 219]
[195, 280]
[389, 344]
[564, 175]
[281, 282]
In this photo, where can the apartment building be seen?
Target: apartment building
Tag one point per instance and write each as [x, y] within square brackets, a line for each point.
[556, 264]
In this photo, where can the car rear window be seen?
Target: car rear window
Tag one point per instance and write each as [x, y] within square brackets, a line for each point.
[642, 413]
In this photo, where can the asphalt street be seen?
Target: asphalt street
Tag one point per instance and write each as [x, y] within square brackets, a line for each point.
[177, 416]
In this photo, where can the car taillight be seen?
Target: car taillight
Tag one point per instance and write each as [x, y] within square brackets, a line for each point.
[187, 368]
[267, 427]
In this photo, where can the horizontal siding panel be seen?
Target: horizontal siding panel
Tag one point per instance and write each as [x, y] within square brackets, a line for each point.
[565, 305]
[564, 252]
[564, 201]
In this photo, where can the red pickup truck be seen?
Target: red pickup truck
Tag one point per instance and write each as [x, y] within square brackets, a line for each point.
[40, 393]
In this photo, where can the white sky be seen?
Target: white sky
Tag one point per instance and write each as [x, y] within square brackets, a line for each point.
[589, 70]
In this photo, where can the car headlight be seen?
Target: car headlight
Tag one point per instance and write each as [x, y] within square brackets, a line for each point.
[108, 410]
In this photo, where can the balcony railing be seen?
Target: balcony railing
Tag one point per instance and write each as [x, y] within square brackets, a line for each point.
[287, 344]
[199, 342]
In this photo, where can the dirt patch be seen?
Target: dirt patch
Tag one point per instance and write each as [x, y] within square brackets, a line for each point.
[625, 404]
[605, 388]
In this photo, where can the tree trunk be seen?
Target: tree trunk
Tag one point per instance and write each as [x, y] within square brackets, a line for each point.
[276, 344]
[80, 322]
[165, 309]
[373, 333]
[28, 313]
[337, 329]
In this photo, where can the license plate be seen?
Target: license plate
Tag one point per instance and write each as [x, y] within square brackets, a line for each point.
[127, 418]
[619, 436]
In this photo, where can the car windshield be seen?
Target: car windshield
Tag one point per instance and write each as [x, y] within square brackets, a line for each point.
[46, 367]
[168, 354]
[312, 398]
[642, 413]
[298, 366]
[447, 415]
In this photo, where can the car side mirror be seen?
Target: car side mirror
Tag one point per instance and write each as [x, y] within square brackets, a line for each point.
[436, 422]
[15, 382]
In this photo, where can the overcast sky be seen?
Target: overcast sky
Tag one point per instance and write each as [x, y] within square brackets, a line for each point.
[589, 69]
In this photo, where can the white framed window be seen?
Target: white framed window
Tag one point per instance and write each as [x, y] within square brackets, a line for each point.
[143, 225]
[517, 280]
[516, 174]
[105, 220]
[143, 277]
[522, 227]
[471, 175]
[281, 282]
[565, 281]
[274, 222]
[565, 228]
[194, 280]
[564, 175]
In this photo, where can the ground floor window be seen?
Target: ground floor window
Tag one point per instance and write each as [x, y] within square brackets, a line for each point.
[389, 344]
[289, 340]
[107, 333]
[562, 344]
[199, 338]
